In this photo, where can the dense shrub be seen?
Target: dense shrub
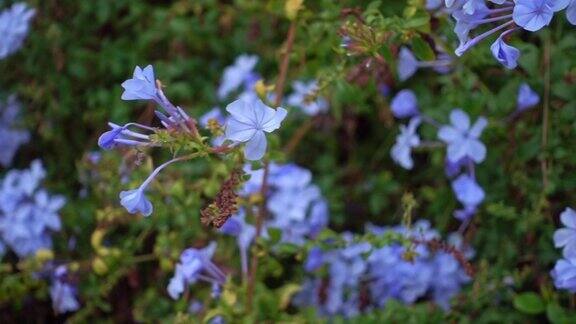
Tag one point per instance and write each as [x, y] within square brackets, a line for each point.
[287, 161]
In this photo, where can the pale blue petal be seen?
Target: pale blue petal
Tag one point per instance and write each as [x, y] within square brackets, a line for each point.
[239, 131]
[478, 127]
[256, 147]
[449, 134]
[242, 110]
[568, 218]
[476, 150]
[563, 236]
[460, 120]
[571, 13]
[275, 122]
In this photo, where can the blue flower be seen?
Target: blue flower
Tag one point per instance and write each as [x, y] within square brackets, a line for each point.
[433, 4]
[469, 194]
[195, 265]
[106, 140]
[121, 135]
[289, 176]
[454, 168]
[213, 114]
[405, 104]
[14, 25]
[462, 138]
[248, 122]
[293, 204]
[346, 267]
[142, 86]
[570, 6]
[28, 214]
[296, 205]
[314, 260]
[532, 15]
[564, 274]
[527, 98]
[135, 201]
[565, 238]
[237, 74]
[448, 279]
[505, 54]
[244, 233]
[407, 139]
[306, 98]
[360, 277]
[407, 64]
[11, 137]
[62, 292]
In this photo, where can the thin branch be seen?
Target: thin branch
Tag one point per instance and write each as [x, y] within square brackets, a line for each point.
[545, 114]
[262, 212]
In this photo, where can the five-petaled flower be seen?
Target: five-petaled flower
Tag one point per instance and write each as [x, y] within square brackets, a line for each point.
[565, 238]
[462, 138]
[142, 86]
[135, 201]
[248, 122]
[407, 139]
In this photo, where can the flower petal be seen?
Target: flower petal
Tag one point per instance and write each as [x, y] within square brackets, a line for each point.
[242, 110]
[478, 127]
[239, 131]
[460, 120]
[476, 150]
[274, 123]
[563, 236]
[449, 134]
[256, 147]
[568, 218]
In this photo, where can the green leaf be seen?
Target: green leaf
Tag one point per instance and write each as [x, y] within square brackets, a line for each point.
[275, 235]
[556, 314]
[529, 303]
[422, 50]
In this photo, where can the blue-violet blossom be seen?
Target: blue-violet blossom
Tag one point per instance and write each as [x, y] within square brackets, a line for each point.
[462, 138]
[249, 121]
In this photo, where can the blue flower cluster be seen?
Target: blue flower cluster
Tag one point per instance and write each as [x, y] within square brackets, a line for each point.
[62, 291]
[240, 74]
[564, 272]
[249, 121]
[11, 137]
[28, 213]
[361, 277]
[510, 16]
[296, 207]
[143, 86]
[462, 139]
[250, 117]
[14, 25]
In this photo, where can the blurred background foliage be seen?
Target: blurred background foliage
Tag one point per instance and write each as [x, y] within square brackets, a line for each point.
[68, 76]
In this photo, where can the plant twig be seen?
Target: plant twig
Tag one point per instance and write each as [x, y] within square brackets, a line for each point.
[298, 136]
[545, 114]
[261, 216]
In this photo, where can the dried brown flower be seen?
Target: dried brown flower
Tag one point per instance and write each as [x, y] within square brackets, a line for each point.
[225, 203]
